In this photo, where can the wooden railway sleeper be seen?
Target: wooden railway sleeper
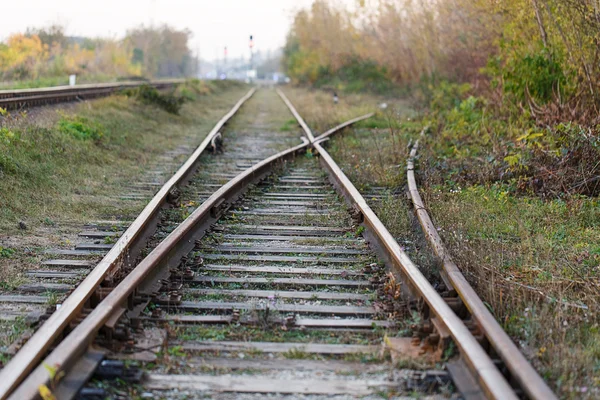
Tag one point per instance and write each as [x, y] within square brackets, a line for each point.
[80, 317]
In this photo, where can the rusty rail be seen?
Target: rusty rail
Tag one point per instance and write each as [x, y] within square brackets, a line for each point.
[526, 376]
[489, 378]
[35, 348]
[14, 99]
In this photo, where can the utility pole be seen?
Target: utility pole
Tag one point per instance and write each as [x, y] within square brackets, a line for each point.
[251, 73]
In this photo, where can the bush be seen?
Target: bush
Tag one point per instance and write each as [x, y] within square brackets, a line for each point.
[80, 128]
[149, 95]
[540, 73]
[6, 135]
[356, 76]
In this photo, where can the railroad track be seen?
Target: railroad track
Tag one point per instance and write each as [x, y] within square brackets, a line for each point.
[21, 98]
[281, 280]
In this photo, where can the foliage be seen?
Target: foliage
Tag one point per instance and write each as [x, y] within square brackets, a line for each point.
[356, 76]
[473, 140]
[538, 75]
[169, 102]
[80, 128]
[48, 54]
[160, 51]
[399, 40]
[541, 51]
[6, 252]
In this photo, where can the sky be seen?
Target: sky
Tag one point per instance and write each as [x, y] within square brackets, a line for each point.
[213, 23]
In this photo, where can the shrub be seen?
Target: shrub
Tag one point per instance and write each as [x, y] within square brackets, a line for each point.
[80, 128]
[539, 72]
[149, 95]
[6, 135]
[356, 76]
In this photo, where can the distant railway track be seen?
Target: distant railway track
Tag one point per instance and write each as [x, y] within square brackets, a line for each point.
[20, 98]
[269, 273]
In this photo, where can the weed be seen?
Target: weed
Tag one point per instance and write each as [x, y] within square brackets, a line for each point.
[297, 354]
[80, 128]
[176, 351]
[6, 252]
[6, 135]
[288, 125]
[359, 231]
[48, 222]
[147, 94]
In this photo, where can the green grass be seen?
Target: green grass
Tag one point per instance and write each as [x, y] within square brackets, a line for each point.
[289, 125]
[274, 334]
[10, 331]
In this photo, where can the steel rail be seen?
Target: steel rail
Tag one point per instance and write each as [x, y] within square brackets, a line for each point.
[12, 98]
[522, 371]
[325, 134]
[78, 340]
[330, 132]
[300, 120]
[488, 376]
[35, 348]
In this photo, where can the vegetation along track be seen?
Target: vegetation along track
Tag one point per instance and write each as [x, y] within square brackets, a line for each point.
[282, 277]
[496, 339]
[19, 98]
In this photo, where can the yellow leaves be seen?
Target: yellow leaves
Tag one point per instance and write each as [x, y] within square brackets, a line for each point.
[541, 351]
[55, 377]
[77, 59]
[45, 393]
[27, 57]
[21, 49]
[513, 161]
[530, 135]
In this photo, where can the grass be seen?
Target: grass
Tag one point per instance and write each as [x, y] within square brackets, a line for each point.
[318, 109]
[259, 334]
[51, 166]
[69, 166]
[535, 261]
[11, 331]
